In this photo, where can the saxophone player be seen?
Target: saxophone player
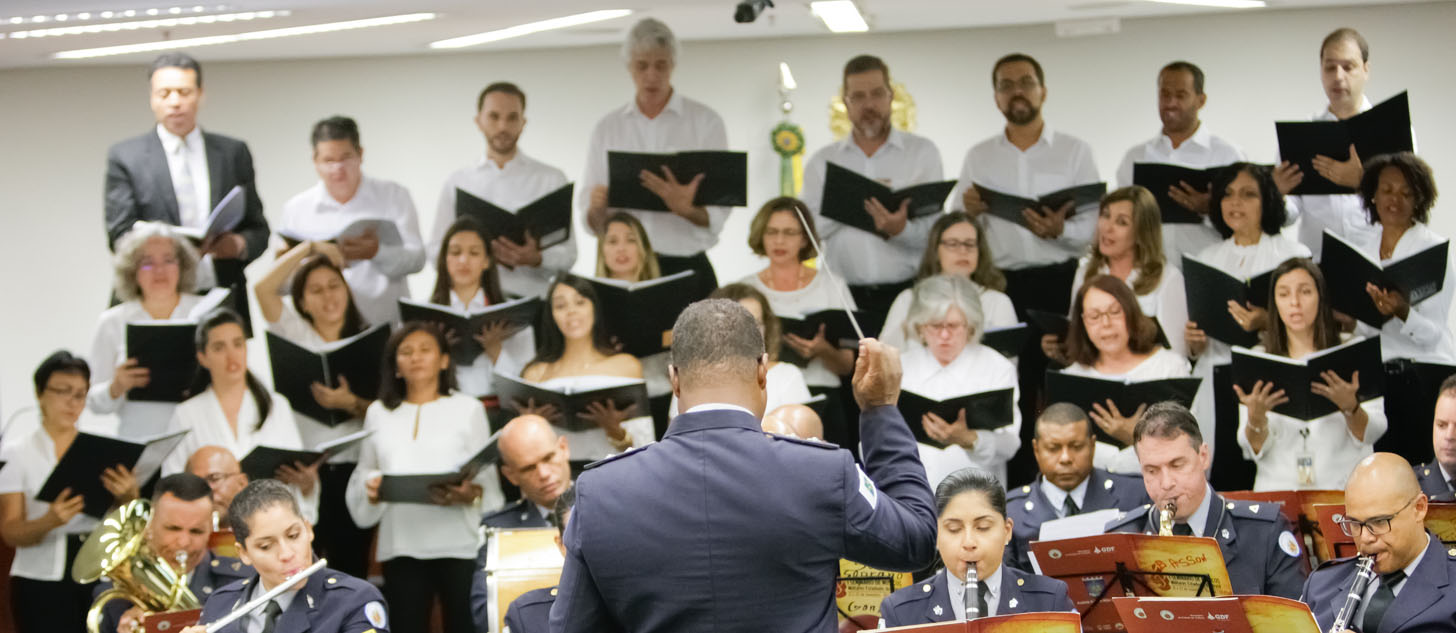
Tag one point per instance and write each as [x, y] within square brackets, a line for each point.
[1385, 513]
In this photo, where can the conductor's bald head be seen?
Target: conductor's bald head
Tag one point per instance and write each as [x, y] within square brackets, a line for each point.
[718, 356]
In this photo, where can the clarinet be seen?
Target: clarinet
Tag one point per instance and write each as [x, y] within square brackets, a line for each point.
[1364, 573]
[969, 591]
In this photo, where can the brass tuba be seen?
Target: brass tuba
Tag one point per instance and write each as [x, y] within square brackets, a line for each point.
[118, 550]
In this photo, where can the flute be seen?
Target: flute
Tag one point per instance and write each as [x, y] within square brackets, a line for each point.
[263, 599]
[1364, 573]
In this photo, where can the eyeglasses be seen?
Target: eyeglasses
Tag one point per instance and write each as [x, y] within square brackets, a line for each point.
[152, 264]
[214, 479]
[1376, 525]
[78, 395]
[1027, 84]
[785, 233]
[877, 95]
[960, 246]
[944, 327]
[1113, 313]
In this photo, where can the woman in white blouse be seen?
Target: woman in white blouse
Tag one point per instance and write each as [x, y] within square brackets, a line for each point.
[420, 426]
[1291, 454]
[957, 246]
[1248, 211]
[156, 271]
[781, 232]
[467, 279]
[576, 353]
[231, 408]
[624, 253]
[949, 362]
[47, 536]
[1111, 338]
[319, 310]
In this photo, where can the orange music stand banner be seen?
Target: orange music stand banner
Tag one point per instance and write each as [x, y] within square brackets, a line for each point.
[171, 621]
[1038, 622]
[1299, 507]
[858, 591]
[1232, 614]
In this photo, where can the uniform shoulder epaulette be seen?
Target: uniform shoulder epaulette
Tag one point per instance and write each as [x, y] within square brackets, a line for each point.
[1261, 510]
[1018, 492]
[505, 510]
[1040, 584]
[612, 458]
[340, 580]
[1335, 562]
[537, 596]
[1128, 516]
[799, 440]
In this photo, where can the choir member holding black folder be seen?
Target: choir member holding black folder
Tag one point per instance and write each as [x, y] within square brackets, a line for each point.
[421, 425]
[659, 119]
[156, 271]
[47, 535]
[1110, 339]
[1303, 446]
[576, 354]
[807, 302]
[957, 246]
[325, 361]
[947, 365]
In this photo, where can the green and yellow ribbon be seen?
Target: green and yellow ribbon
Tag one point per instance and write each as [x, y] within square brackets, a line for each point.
[788, 142]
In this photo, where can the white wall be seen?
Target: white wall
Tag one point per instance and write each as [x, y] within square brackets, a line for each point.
[415, 113]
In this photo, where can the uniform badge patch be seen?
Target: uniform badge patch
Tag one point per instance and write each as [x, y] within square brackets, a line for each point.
[374, 612]
[1012, 604]
[867, 488]
[1288, 543]
[937, 610]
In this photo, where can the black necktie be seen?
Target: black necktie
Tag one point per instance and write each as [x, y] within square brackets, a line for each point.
[981, 600]
[270, 615]
[1069, 507]
[1182, 529]
[1380, 602]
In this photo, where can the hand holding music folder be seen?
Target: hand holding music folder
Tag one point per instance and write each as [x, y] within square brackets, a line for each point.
[838, 331]
[386, 231]
[168, 351]
[1009, 207]
[81, 467]
[1209, 289]
[355, 360]
[1127, 395]
[547, 218]
[846, 191]
[985, 411]
[570, 404]
[1232, 614]
[462, 326]
[1160, 178]
[1037, 621]
[225, 217]
[1296, 376]
[640, 315]
[263, 461]
[1348, 270]
[724, 184]
[423, 488]
[1383, 129]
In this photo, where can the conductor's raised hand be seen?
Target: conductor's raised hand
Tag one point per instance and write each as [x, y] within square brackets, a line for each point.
[877, 375]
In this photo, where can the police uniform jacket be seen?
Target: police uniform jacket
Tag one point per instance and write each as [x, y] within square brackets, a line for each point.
[521, 514]
[211, 574]
[1426, 602]
[1434, 484]
[1029, 507]
[1261, 551]
[928, 601]
[329, 602]
[721, 526]
[531, 613]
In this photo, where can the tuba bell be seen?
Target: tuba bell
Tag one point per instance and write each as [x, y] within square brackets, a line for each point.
[118, 550]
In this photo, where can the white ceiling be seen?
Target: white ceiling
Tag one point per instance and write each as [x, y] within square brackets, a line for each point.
[690, 19]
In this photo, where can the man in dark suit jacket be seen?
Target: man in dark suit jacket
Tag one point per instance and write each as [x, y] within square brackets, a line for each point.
[1063, 445]
[139, 176]
[721, 526]
[1415, 586]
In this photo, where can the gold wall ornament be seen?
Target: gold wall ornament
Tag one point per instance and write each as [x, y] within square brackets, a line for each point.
[902, 112]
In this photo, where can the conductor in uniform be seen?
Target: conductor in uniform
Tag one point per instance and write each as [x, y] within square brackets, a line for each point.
[1415, 587]
[1261, 551]
[721, 526]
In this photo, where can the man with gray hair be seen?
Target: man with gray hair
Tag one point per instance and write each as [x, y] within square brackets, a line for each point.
[722, 525]
[658, 119]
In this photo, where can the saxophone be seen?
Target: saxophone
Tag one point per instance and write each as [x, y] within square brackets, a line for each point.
[1364, 573]
[1165, 519]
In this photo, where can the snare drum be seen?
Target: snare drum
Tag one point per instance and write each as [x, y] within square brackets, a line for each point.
[516, 561]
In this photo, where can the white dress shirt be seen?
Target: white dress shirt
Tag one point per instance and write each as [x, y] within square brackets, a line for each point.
[379, 282]
[1055, 162]
[138, 420]
[1200, 151]
[684, 125]
[1424, 335]
[785, 386]
[1164, 363]
[202, 414]
[196, 165]
[990, 587]
[292, 326]
[476, 379]
[996, 311]
[592, 444]
[1342, 213]
[1168, 301]
[978, 369]
[416, 439]
[861, 257]
[822, 293]
[1327, 440]
[520, 182]
[28, 465]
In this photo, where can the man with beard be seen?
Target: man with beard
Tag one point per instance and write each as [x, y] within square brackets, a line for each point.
[877, 266]
[1186, 143]
[509, 179]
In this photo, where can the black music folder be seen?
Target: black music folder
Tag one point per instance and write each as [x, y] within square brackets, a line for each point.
[357, 359]
[464, 349]
[1209, 290]
[417, 488]
[724, 185]
[1383, 129]
[1128, 395]
[838, 331]
[263, 461]
[1007, 340]
[1295, 376]
[386, 231]
[1008, 207]
[167, 348]
[515, 393]
[547, 218]
[640, 315]
[1159, 178]
[1347, 269]
[985, 411]
[81, 467]
[845, 193]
